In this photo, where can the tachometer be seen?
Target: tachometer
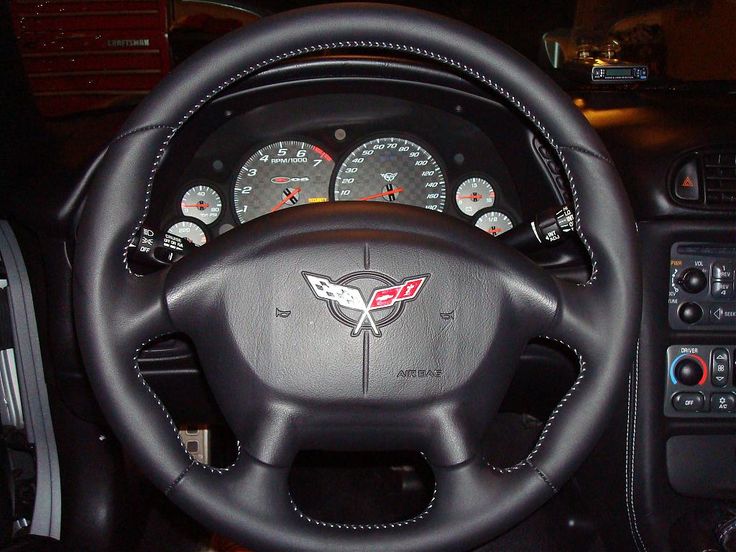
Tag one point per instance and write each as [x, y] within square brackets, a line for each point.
[393, 170]
[282, 175]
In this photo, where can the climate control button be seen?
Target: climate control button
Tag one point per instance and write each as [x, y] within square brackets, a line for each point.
[722, 402]
[688, 402]
[689, 371]
[719, 366]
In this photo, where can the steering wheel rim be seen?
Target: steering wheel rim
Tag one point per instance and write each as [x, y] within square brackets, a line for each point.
[118, 312]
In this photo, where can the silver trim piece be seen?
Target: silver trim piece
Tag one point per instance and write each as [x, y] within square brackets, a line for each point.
[39, 430]
[11, 409]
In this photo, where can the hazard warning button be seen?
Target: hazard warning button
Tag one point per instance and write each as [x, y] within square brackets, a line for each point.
[687, 185]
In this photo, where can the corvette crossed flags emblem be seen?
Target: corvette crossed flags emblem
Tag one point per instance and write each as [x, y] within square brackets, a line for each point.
[351, 297]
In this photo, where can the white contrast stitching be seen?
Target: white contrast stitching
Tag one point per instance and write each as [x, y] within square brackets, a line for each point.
[552, 416]
[163, 408]
[139, 129]
[543, 475]
[387, 46]
[724, 536]
[630, 467]
[407, 49]
[367, 526]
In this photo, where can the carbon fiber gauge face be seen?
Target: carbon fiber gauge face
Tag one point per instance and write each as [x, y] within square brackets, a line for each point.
[282, 175]
[393, 170]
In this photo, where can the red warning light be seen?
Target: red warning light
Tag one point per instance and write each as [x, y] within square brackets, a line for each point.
[687, 183]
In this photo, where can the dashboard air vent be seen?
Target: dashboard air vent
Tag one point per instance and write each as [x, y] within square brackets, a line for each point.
[719, 178]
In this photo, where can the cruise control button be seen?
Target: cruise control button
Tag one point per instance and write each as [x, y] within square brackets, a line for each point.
[723, 402]
[688, 402]
[719, 364]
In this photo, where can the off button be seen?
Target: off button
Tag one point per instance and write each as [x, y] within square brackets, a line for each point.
[688, 402]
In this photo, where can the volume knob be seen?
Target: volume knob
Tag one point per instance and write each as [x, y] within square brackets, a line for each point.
[692, 280]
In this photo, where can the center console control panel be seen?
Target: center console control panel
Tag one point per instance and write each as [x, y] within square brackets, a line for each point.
[700, 381]
[701, 287]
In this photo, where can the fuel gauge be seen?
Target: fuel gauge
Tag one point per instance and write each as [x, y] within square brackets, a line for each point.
[494, 222]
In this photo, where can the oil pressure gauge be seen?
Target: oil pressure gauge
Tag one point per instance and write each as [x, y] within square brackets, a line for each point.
[202, 203]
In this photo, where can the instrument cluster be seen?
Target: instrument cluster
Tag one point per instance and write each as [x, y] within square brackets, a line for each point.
[393, 167]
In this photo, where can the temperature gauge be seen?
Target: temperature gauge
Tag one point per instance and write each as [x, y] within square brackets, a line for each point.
[494, 222]
[474, 194]
[189, 230]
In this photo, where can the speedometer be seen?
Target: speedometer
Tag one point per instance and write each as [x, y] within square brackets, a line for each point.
[394, 170]
[282, 175]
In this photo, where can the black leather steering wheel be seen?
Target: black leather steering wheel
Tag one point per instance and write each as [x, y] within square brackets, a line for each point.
[329, 389]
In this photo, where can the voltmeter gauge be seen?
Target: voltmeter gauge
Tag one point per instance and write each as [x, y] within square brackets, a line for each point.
[494, 222]
[474, 194]
[189, 230]
[202, 203]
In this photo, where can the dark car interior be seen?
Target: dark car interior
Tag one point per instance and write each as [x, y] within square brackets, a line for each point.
[422, 276]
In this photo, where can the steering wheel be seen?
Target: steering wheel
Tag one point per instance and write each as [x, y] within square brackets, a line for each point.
[371, 363]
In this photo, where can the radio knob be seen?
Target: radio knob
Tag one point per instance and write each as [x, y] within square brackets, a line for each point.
[688, 372]
[690, 313]
[692, 280]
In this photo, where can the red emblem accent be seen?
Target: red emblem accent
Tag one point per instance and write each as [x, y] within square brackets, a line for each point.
[350, 297]
[386, 297]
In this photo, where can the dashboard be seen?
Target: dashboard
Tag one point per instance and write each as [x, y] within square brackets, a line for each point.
[292, 172]
[265, 149]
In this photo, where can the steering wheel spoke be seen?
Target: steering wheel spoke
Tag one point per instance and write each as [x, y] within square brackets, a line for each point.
[579, 314]
[143, 313]
[467, 499]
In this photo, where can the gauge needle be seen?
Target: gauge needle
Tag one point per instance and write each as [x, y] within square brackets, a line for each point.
[197, 205]
[471, 196]
[288, 196]
[382, 194]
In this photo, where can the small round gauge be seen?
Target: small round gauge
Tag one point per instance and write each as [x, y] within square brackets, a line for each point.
[394, 170]
[201, 202]
[189, 230]
[282, 175]
[494, 222]
[474, 194]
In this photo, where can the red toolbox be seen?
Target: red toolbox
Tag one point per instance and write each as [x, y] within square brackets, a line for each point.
[90, 54]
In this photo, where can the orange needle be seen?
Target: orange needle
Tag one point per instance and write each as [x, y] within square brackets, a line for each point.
[198, 205]
[471, 196]
[281, 203]
[382, 194]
